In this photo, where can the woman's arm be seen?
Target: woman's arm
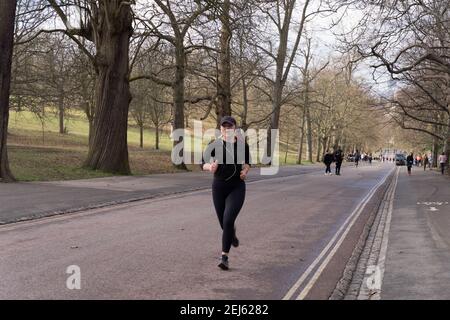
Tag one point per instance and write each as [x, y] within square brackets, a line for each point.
[246, 165]
[207, 156]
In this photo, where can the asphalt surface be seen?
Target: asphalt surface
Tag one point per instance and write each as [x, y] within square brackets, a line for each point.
[418, 254]
[168, 247]
[29, 200]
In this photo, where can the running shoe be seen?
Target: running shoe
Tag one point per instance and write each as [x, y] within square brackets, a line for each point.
[223, 262]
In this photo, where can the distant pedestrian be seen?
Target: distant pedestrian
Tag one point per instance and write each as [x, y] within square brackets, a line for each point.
[442, 162]
[418, 160]
[328, 160]
[425, 162]
[338, 157]
[409, 162]
[357, 158]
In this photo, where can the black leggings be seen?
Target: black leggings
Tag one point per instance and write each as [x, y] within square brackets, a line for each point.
[328, 168]
[228, 198]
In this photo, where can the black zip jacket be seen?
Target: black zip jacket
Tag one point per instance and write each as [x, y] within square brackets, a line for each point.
[328, 158]
[230, 160]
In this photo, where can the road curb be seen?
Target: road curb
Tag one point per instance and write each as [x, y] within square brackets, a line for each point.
[46, 214]
[344, 289]
[99, 205]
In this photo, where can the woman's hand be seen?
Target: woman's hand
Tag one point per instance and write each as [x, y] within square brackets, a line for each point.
[244, 172]
[213, 166]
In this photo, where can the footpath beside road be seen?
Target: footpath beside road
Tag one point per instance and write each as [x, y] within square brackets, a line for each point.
[418, 254]
[29, 200]
[407, 252]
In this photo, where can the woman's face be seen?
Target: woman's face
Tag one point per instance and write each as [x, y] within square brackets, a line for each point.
[227, 131]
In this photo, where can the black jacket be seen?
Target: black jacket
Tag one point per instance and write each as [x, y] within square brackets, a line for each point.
[328, 158]
[409, 160]
[230, 159]
[338, 156]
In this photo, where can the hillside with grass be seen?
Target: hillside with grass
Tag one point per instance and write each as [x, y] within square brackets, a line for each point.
[38, 152]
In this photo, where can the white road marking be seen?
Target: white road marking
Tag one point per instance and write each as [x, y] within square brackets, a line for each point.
[347, 223]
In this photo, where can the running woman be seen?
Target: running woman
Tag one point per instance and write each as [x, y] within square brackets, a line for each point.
[228, 157]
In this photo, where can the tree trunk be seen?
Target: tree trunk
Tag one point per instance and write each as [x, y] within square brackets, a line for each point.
[325, 145]
[319, 140]
[302, 138]
[91, 129]
[328, 144]
[309, 133]
[275, 118]
[61, 112]
[447, 145]
[244, 125]
[157, 138]
[109, 149]
[7, 14]
[224, 68]
[287, 147]
[435, 152]
[178, 95]
[141, 136]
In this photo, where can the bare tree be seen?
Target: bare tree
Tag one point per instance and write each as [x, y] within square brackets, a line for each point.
[7, 15]
[107, 25]
[170, 21]
[410, 42]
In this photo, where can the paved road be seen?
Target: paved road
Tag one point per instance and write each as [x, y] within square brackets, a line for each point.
[22, 201]
[167, 248]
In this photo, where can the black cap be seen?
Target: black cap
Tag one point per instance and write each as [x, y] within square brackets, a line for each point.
[228, 119]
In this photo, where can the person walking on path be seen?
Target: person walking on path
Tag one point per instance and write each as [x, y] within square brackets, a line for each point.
[328, 160]
[357, 158]
[228, 157]
[425, 162]
[338, 159]
[409, 162]
[442, 162]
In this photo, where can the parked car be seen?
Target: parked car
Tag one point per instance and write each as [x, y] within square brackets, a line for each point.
[400, 159]
[350, 158]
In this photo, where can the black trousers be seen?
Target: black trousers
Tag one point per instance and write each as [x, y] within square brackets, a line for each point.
[338, 167]
[328, 168]
[228, 199]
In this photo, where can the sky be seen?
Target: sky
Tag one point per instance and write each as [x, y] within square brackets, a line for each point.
[326, 42]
